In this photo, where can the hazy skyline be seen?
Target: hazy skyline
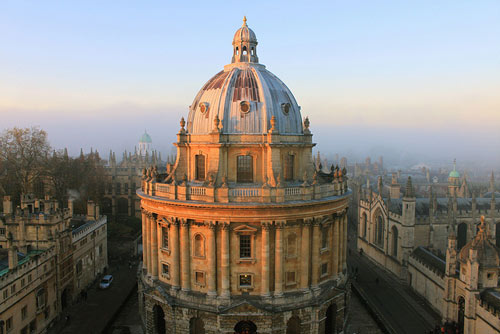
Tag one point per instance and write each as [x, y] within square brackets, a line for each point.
[419, 79]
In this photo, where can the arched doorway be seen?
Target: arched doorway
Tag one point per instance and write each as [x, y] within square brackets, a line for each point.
[159, 320]
[196, 326]
[331, 314]
[293, 325]
[461, 314]
[462, 235]
[245, 327]
[497, 234]
[395, 236]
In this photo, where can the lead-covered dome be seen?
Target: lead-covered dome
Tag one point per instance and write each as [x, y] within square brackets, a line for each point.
[244, 96]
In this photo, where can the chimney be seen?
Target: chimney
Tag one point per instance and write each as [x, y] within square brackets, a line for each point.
[13, 257]
[7, 205]
[97, 214]
[91, 210]
[70, 206]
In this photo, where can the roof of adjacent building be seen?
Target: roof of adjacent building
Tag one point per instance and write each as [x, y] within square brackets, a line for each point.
[430, 259]
[492, 297]
[422, 205]
[21, 258]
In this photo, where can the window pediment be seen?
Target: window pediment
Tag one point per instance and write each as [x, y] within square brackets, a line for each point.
[245, 229]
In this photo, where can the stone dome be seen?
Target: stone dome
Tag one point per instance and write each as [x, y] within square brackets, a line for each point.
[145, 138]
[487, 254]
[244, 97]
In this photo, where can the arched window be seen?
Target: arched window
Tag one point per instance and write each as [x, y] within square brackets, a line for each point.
[200, 167]
[462, 235]
[196, 326]
[288, 167]
[291, 245]
[252, 51]
[237, 51]
[244, 169]
[395, 241]
[244, 50]
[380, 231]
[293, 325]
[364, 221]
[199, 245]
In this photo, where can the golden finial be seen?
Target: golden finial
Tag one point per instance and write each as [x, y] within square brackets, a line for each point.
[244, 20]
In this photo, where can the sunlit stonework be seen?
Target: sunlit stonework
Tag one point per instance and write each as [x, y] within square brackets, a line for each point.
[241, 234]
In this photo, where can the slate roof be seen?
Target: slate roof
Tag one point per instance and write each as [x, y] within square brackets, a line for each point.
[422, 205]
[430, 259]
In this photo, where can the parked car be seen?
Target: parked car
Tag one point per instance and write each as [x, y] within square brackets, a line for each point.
[106, 282]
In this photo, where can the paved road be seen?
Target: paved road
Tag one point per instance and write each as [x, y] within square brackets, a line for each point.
[398, 307]
[93, 315]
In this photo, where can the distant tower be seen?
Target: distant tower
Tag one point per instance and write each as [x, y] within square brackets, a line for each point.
[492, 182]
[453, 180]
[145, 144]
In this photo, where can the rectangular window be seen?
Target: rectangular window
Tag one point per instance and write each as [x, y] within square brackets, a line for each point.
[200, 278]
[165, 269]
[290, 277]
[245, 246]
[2, 231]
[5, 294]
[164, 242]
[324, 269]
[9, 324]
[13, 288]
[289, 163]
[29, 278]
[24, 312]
[40, 299]
[33, 327]
[324, 238]
[245, 280]
[200, 167]
[23, 282]
[118, 188]
[244, 170]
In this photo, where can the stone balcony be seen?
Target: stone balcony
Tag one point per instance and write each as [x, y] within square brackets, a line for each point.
[244, 193]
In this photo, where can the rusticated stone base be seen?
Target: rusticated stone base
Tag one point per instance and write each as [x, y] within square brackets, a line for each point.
[192, 313]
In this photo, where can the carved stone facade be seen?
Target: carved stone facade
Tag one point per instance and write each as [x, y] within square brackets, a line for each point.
[242, 235]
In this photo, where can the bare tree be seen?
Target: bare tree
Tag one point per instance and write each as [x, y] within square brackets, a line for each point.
[22, 153]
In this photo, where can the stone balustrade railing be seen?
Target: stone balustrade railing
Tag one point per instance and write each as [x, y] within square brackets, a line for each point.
[244, 193]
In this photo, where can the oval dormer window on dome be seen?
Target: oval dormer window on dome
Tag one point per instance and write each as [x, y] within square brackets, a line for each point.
[204, 107]
[244, 107]
[285, 108]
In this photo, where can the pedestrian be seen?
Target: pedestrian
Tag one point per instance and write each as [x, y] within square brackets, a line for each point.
[376, 280]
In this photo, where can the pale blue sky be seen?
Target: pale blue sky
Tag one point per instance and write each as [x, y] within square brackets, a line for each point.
[96, 73]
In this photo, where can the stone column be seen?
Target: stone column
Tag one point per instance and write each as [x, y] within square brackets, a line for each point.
[175, 272]
[341, 243]
[185, 256]
[148, 242]
[225, 259]
[144, 240]
[154, 246]
[212, 269]
[316, 243]
[278, 274]
[344, 253]
[305, 254]
[336, 244]
[265, 259]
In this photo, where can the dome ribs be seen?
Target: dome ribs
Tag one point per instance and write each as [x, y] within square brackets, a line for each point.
[217, 81]
[246, 87]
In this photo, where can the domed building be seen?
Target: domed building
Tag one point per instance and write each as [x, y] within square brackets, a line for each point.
[145, 144]
[242, 234]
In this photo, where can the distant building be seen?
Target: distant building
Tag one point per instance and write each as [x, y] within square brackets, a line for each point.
[242, 234]
[47, 257]
[124, 178]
